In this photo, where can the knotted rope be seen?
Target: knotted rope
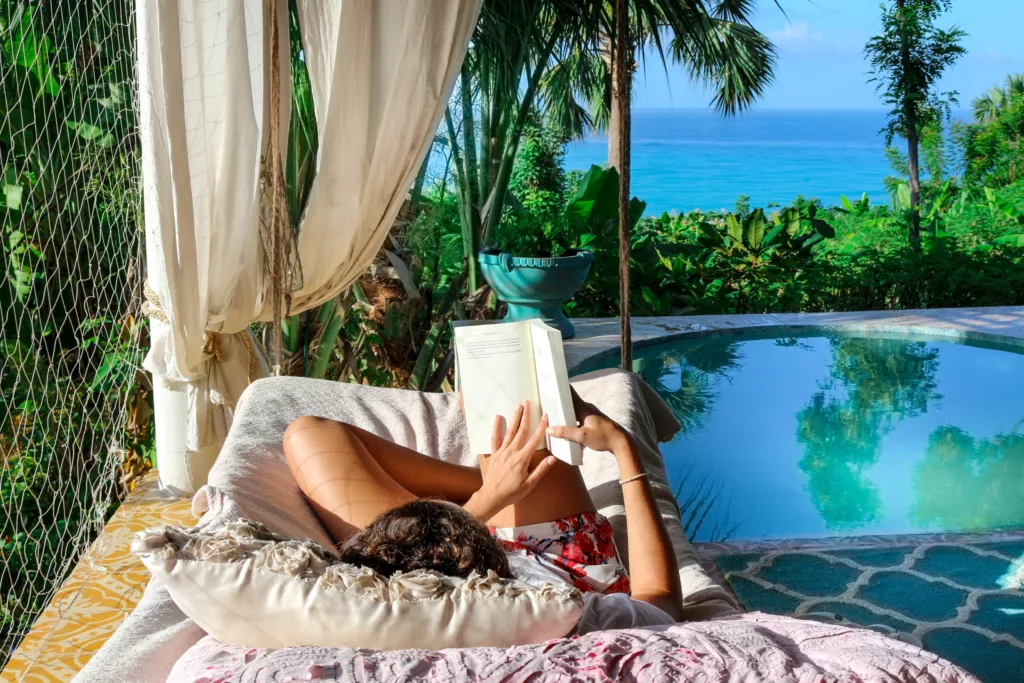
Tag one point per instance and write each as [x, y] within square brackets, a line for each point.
[280, 248]
[211, 346]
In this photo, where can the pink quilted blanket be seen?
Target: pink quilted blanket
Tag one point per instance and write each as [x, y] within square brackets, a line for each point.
[748, 648]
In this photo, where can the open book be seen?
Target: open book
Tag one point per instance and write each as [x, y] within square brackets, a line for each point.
[501, 364]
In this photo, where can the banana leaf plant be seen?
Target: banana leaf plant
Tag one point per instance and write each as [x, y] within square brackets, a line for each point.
[999, 205]
[748, 241]
[595, 208]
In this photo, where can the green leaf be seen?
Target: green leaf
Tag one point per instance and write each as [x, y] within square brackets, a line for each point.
[92, 132]
[733, 229]
[649, 296]
[666, 262]
[903, 196]
[753, 229]
[823, 228]
[847, 204]
[596, 203]
[597, 197]
[772, 237]
[1015, 240]
[32, 50]
[425, 360]
[12, 196]
[587, 238]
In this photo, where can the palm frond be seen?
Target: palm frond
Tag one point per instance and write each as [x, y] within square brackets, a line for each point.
[574, 93]
[987, 106]
[739, 63]
[1015, 85]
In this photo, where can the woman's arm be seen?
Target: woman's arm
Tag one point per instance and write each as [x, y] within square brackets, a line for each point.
[653, 573]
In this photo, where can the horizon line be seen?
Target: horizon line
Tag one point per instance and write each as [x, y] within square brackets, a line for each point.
[711, 110]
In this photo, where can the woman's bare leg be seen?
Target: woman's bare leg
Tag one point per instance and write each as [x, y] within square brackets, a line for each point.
[350, 476]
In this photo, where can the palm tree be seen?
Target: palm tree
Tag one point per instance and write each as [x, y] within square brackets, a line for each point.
[725, 52]
[1015, 85]
[530, 57]
[987, 106]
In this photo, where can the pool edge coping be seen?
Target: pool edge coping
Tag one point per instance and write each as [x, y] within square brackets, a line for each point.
[713, 549]
[928, 323]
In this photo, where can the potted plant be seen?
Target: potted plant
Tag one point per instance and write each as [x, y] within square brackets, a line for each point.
[540, 261]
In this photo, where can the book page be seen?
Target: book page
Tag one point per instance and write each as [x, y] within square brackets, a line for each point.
[553, 387]
[496, 372]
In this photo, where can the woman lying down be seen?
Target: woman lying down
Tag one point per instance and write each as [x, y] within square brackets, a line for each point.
[523, 514]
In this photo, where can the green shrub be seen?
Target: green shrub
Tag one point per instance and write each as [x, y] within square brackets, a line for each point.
[692, 264]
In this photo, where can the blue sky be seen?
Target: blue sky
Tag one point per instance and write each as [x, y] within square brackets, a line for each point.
[821, 64]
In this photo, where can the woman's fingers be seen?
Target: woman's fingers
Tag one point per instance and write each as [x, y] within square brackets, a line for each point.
[523, 433]
[513, 427]
[537, 438]
[576, 434]
[538, 472]
[497, 434]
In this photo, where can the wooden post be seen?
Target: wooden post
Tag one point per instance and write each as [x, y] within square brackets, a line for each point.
[622, 88]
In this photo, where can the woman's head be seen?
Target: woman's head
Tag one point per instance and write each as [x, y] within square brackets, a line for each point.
[428, 534]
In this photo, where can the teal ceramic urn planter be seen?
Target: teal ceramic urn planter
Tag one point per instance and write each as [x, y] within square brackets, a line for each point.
[536, 287]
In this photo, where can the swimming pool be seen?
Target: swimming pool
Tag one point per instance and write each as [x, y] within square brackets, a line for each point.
[827, 433]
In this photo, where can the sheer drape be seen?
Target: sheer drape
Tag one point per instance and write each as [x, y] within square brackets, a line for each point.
[381, 72]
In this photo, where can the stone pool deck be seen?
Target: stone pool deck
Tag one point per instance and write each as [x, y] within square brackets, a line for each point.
[599, 337]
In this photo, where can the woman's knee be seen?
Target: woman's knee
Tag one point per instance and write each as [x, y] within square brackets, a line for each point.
[307, 433]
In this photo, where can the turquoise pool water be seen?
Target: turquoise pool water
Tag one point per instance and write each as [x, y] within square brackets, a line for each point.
[834, 435]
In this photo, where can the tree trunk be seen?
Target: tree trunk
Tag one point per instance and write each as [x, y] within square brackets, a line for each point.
[910, 114]
[416, 194]
[617, 127]
[614, 123]
[915, 180]
[620, 99]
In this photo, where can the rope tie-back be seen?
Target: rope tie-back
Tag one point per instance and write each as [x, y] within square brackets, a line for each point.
[151, 307]
[211, 346]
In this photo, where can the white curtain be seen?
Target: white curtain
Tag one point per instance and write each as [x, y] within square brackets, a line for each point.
[381, 72]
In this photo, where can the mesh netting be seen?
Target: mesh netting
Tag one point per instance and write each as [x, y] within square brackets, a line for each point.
[74, 409]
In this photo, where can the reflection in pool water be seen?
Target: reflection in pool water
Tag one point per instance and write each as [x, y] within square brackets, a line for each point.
[841, 435]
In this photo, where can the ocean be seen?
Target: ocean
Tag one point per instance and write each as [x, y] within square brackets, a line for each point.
[686, 159]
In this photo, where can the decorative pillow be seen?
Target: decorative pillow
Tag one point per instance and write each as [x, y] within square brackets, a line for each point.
[248, 586]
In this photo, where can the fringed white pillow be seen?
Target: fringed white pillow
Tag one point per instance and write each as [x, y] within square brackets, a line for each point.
[247, 586]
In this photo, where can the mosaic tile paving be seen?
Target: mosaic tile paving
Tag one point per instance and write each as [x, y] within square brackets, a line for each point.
[100, 593]
[963, 600]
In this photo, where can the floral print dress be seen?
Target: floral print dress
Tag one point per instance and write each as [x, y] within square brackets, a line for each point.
[579, 550]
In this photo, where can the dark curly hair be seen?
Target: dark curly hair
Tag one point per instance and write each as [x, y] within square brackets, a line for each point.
[428, 534]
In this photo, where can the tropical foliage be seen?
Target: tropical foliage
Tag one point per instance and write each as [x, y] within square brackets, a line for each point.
[987, 106]
[907, 60]
[74, 405]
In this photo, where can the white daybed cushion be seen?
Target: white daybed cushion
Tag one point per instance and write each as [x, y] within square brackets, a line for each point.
[251, 480]
[247, 586]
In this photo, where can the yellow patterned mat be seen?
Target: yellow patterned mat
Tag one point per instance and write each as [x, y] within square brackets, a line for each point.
[100, 593]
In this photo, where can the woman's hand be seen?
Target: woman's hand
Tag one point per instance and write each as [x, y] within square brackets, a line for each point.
[509, 478]
[597, 431]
